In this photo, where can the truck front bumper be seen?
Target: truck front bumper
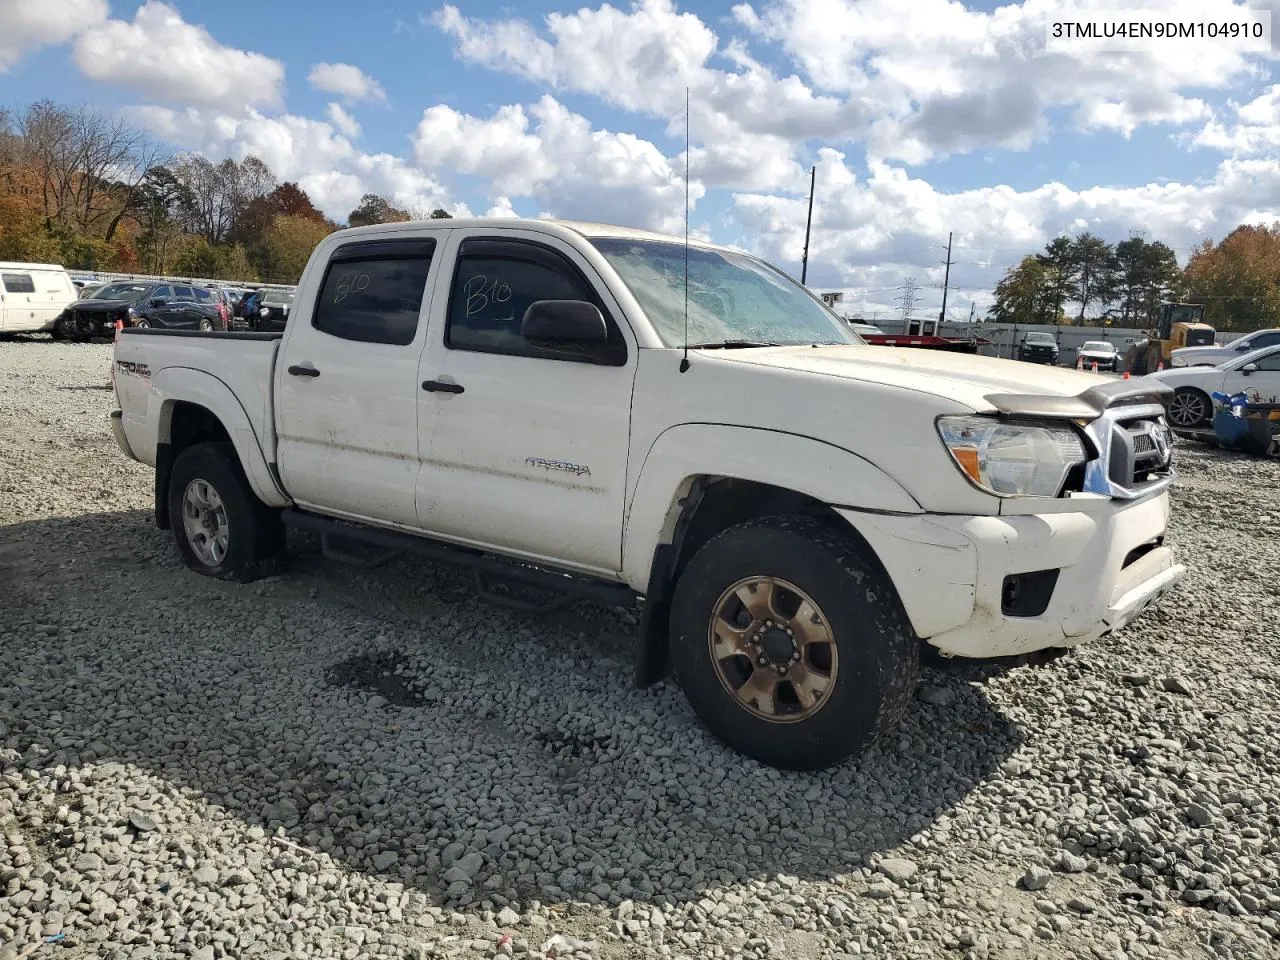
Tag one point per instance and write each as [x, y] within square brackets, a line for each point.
[952, 573]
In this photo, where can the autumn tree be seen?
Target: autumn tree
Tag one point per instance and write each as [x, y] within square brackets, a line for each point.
[288, 245]
[1238, 280]
[88, 165]
[375, 209]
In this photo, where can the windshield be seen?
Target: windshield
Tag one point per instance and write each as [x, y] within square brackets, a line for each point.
[732, 297]
[119, 291]
[1040, 338]
[1097, 345]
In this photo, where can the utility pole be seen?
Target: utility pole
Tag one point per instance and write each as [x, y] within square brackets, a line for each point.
[804, 264]
[973, 305]
[946, 280]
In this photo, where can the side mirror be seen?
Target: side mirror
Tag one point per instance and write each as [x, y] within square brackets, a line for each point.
[159, 302]
[564, 322]
[1249, 368]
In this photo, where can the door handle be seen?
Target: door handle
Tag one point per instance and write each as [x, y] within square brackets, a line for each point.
[439, 386]
[304, 371]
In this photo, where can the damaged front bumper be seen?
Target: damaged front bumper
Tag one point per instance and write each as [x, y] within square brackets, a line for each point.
[1004, 586]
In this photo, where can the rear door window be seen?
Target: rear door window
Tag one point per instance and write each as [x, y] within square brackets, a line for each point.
[373, 290]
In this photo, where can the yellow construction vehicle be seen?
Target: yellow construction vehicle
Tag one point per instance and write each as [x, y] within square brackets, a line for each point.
[1177, 325]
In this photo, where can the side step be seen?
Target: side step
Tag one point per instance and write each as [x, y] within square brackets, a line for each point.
[488, 567]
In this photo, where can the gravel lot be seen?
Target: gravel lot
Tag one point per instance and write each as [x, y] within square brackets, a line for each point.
[338, 762]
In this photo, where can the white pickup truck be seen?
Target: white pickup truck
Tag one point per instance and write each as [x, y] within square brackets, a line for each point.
[603, 412]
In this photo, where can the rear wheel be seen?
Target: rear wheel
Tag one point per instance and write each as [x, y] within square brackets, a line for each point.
[206, 326]
[791, 644]
[222, 529]
[1190, 408]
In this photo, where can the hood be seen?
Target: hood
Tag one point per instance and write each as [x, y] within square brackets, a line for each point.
[1096, 353]
[102, 306]
[969, 379]
[1205, 350]
[1173, 376]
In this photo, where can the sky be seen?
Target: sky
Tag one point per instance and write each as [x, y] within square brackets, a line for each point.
[921, 117]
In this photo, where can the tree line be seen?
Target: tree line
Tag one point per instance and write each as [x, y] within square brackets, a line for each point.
[1123, 284]
[85, 189]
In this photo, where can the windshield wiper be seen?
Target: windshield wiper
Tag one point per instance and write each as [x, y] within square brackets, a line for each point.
[733, 344]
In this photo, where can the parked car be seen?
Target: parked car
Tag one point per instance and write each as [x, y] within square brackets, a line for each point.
[235, 299]
[139, 303]
[553, 418]
[1193, 386]
[866, 329]
[273, 311]
[1038, 348]
[1212, 356]
[1099, 352]
[213, 294]
[32, 295]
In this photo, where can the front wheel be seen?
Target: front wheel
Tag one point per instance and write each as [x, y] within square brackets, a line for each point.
[206, 326]
[142, 324]
[222, 529]
[791, 644]
[1190, 408]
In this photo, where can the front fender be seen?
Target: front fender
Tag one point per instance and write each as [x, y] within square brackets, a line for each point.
[820, 470]
[174, 385]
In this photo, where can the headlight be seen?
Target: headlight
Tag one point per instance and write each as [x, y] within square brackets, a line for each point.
[1013, 459]
[1178, 362]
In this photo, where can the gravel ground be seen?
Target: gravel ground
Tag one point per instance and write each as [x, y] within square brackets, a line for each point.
[339, 762]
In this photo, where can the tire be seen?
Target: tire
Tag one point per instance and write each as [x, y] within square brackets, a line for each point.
[143, 323]
[870, 662]
[211, 472]
[206, 326]
[1190, 408]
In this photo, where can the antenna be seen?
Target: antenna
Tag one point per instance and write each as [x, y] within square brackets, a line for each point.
[684, 361]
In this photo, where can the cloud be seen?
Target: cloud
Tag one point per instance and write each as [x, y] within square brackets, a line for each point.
[871, 234]
[27, 25]
[345, 123]
[642, 61]
[171, 61]
[1255, 129]
[350, 83]
[910, 82]
[945, 79]
[555, 156]
[501, 208]
[310, 152]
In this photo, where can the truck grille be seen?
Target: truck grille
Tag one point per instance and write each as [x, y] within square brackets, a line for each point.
[1141, 452]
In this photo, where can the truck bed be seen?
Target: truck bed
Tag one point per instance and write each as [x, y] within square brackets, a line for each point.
[236, 367]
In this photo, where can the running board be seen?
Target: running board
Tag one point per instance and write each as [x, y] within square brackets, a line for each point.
[333, 546]
[565, 585]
